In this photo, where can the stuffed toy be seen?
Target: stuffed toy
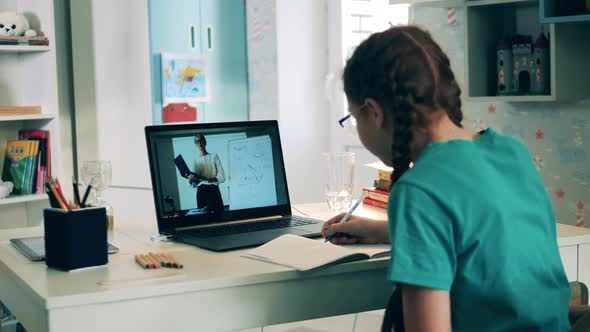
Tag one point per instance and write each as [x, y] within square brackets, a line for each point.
[15, 25]
[5, 188]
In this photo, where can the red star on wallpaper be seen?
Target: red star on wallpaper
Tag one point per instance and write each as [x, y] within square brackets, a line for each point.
[540, 134]
[491, 109]
[560, 193]
[580, 205]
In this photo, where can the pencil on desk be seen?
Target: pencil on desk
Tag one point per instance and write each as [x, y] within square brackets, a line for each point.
[164, 260]
[173, 261]
[156, 264]
[155, 257]
[141, 262]
[149, 261]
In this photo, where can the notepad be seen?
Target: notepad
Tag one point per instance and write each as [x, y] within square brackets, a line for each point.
[305, 254]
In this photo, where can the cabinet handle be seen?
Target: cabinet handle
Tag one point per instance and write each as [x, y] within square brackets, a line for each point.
[192, 35]
[210, 38]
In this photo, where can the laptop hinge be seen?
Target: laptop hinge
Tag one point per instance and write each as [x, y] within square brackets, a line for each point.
[231, 222]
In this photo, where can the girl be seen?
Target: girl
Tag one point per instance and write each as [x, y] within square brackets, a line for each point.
[473, 236]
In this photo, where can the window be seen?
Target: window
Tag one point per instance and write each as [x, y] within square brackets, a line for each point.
[361, 18]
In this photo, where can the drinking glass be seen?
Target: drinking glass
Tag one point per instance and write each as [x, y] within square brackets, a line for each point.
[339, 179]
[98, 174]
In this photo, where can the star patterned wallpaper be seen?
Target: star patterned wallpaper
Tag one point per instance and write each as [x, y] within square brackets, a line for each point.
[556, 133]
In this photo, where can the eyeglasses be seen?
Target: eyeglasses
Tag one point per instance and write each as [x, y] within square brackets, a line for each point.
[347, 116]
[343, 119]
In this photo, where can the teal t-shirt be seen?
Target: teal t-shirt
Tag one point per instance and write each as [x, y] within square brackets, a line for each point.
[474, 218]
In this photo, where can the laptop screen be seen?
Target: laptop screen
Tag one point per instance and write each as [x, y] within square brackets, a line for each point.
[216, 172]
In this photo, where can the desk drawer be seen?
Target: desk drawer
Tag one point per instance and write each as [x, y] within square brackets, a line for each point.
[569, 257]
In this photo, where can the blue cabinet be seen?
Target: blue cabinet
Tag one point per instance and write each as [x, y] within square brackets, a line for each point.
[215, 28]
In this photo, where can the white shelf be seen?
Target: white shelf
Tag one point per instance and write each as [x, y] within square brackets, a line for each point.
[23, 48]
[22, 199]
[26, 117]
[496, 2]
[510, 99]
[429, 3]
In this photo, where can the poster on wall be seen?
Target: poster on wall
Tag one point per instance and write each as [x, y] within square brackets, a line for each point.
[184, 78]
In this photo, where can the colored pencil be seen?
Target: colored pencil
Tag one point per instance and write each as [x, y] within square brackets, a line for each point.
[141, 262]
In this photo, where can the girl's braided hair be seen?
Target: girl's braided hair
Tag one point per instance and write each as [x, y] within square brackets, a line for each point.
[409, 75]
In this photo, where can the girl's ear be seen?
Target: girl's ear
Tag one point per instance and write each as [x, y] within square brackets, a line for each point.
[376, 113]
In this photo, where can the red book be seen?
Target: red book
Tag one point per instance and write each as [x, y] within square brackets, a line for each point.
[377, 194]
[372, 202]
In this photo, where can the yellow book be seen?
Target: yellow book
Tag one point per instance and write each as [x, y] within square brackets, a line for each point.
[15, 164]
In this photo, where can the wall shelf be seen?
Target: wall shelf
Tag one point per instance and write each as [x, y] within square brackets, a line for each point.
[511, 99]
[568, 47]
[23, 48]
[26, 117]
[23, 199]
[566, 19]
[553, 11]
[429, 3]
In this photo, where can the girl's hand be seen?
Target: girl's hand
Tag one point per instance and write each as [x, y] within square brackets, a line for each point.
[356, 230]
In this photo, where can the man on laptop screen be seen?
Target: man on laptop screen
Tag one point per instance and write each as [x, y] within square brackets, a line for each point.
[237, 176]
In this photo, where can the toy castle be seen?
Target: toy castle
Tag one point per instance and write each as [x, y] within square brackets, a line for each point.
[523, 66]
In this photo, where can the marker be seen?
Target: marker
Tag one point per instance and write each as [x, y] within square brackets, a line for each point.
[349, 213]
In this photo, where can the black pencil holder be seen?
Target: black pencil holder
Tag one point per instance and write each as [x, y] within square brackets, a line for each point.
[76, 238]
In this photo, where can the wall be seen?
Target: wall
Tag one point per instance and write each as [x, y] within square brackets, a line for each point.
[287, 64]
[554, 132]
[65, 94]
[112, 95]
[303, 109]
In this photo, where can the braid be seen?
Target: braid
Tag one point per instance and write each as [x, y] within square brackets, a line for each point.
[409, 75]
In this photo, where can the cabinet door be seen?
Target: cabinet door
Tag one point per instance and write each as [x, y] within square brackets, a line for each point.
[223, 37]
[569, 257]
[174, 28]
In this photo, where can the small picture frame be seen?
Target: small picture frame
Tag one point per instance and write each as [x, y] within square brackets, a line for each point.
[184, 78]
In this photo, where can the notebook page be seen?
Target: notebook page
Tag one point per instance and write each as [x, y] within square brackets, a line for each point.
[299, 252]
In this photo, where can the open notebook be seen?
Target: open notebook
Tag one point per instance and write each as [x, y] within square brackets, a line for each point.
[305, 254]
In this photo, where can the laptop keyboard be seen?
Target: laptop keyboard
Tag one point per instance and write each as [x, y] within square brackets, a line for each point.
[292, 221]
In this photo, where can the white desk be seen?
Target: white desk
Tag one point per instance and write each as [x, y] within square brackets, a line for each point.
[214, 292]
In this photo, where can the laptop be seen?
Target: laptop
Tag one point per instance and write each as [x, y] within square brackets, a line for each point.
[233, 196]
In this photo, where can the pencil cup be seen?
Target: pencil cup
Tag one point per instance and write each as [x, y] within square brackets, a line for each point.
[76, 238]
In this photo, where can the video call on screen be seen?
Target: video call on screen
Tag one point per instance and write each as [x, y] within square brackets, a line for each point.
[245, 161]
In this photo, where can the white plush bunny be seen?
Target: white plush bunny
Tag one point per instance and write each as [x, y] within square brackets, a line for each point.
[5, 188]
[14, 25]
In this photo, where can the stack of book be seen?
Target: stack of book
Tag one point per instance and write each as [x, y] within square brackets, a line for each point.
[31, 41]
[378, 195]
[27, 162]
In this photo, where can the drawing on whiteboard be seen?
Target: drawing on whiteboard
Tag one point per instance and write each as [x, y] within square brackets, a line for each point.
[251, 164]
[253, 176]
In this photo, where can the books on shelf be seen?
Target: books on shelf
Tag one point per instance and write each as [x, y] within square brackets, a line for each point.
[43, 136]
[18, 164]
[304, 254]
[19, 110]
[21, 40]
[27, 161]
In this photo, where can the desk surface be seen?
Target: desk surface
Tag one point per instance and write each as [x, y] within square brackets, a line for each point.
[204, 271]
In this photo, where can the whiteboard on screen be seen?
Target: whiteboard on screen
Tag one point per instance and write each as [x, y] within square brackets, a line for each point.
[252, 176]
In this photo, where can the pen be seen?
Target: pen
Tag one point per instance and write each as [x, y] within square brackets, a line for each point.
[83, 203]
[76, 192]
[349, 213]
